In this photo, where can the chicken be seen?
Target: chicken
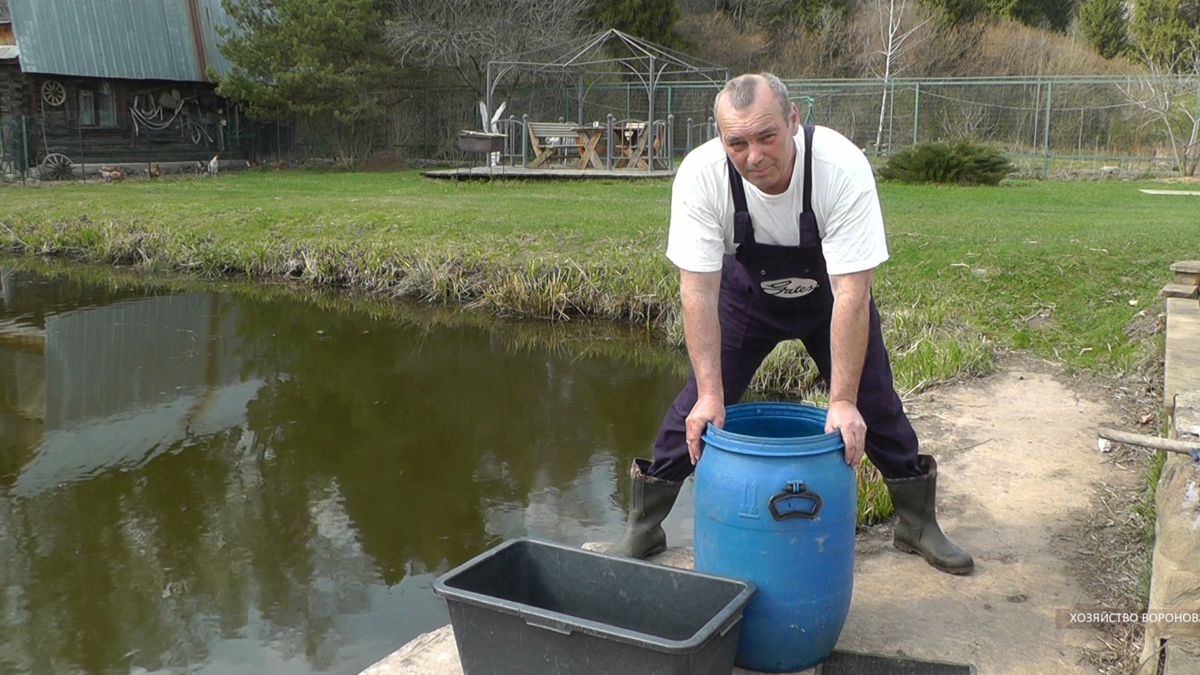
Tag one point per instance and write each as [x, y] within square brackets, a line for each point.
[280, 165]
[155, 171]
[210, 167]
[112, 174]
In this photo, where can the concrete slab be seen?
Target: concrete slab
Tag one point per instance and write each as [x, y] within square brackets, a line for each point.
[1182, 349]
[1187, 414]
[1181, 659]
[1187, 292]
[1187, 272]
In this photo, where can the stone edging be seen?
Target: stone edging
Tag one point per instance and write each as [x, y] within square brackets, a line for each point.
[1174, 646]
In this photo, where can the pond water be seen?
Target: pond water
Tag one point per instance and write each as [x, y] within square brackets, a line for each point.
[213, 483]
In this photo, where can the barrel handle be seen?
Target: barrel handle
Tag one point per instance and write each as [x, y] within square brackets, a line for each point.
[792, 490]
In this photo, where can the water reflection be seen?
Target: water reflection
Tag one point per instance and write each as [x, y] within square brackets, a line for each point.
[208, 483]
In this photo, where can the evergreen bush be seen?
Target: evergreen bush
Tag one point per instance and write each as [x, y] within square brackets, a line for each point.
[960, 163]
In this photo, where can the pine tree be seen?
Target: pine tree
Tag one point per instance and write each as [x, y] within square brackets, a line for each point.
[1051, 14]
[651, 20]
[1106, 26]
[960, 12]
[1167, 32]
[320, 62]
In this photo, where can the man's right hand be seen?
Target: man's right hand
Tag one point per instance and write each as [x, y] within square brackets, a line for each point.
[707, 409]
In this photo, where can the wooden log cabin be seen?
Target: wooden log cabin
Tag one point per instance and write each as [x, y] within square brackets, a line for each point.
[115, 82]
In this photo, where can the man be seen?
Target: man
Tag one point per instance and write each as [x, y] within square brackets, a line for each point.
[777, 232]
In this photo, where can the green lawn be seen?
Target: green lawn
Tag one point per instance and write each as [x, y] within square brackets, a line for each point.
[1065, 269]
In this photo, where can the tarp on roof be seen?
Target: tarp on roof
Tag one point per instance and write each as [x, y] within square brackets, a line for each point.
[124, 39]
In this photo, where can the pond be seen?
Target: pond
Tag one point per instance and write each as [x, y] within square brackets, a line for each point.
[215, 481]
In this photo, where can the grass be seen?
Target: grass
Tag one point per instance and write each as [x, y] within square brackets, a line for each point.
[1065, 270]
[1057, 268]
[1145, 510]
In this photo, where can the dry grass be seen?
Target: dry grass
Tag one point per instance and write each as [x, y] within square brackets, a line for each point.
[1010, 48]
[846, 47]
[1114, 561]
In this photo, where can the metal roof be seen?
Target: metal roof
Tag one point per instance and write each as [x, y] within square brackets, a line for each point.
[124, 39]
[8, 52]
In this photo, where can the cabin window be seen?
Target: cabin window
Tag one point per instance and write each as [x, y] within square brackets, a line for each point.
[87, 108]
[105, 109]
[97, 106]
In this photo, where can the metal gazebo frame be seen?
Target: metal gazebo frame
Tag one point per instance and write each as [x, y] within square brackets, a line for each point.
[610, 54]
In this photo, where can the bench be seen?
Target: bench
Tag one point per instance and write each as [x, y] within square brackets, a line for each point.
[553, 140]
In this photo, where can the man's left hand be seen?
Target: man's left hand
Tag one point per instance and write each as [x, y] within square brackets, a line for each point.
[844, 416]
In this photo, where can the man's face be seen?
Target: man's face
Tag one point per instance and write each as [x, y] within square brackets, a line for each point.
[759, 140]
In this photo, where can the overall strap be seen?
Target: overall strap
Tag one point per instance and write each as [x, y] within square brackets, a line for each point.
[810, 235]
[742, 231]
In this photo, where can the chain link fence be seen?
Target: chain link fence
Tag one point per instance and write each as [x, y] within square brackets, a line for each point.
[1048, 126]
[1061, 126]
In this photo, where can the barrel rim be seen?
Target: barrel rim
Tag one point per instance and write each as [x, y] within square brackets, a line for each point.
[766, 446]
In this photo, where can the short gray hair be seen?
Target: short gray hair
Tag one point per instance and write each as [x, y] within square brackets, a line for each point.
[740, 93]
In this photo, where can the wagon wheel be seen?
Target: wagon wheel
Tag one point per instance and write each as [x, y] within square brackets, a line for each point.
[57, 167]
[53, 93]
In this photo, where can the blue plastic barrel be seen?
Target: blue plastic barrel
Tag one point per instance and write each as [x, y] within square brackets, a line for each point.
[775, 504]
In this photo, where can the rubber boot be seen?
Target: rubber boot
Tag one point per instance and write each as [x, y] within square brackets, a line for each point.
[650, 500]
[917, 529]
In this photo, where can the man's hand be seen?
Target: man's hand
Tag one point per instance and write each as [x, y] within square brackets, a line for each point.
[844, 416]
[707, 409]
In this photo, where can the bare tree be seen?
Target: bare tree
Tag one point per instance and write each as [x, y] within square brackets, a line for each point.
[894, 41]
[1169, 95]
[463, 35]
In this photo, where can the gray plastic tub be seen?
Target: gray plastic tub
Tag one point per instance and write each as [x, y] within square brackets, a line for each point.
[527, 607]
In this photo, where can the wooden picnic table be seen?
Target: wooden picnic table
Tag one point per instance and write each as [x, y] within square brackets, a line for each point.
[582, 147]
[633, 139]
[564, 141]
[589, 137]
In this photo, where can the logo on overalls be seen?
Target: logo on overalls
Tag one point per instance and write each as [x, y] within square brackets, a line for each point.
[789, 288]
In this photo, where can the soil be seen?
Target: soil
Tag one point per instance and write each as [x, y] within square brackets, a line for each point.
[383, 161]
[1024, 487]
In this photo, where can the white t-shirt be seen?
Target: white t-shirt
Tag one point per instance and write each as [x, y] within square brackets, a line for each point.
[843, 198]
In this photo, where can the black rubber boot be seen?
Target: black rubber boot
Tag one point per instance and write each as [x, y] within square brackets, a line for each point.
[650, 500]
[917, 529]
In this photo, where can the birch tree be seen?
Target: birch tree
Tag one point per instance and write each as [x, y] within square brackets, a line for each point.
[894, 41]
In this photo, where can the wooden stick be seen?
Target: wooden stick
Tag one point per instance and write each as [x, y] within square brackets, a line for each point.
[1144, 441]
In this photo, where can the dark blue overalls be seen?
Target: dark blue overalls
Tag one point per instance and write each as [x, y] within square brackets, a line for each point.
[775, 293]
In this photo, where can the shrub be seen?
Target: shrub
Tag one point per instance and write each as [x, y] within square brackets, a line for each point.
[961, 162]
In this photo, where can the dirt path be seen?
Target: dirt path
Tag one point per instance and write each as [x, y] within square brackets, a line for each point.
[1021, 480]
